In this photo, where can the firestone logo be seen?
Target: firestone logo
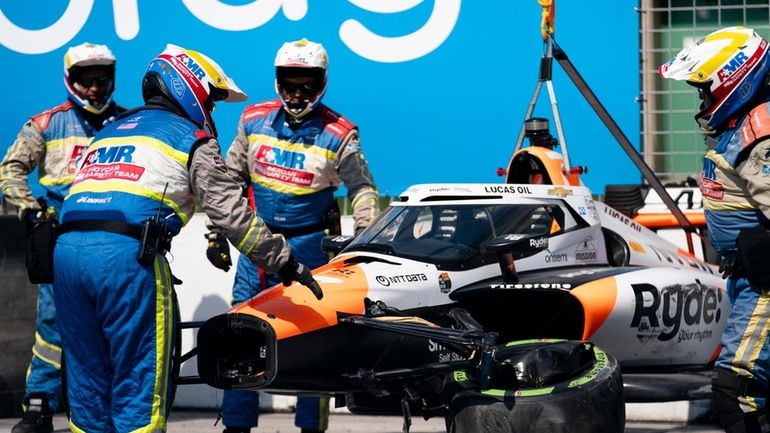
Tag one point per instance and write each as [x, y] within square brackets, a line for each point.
[223, 16]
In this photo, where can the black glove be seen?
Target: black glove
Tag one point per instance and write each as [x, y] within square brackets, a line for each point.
[296, 271]
[218, 250]
[31, 217]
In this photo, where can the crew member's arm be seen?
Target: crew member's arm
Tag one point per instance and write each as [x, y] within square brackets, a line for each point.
[220, 196]
[21, 159]
[752, 170]
[237, 157]
[354, 173]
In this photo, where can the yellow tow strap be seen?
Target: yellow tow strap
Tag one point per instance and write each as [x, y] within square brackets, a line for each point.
[549, 15]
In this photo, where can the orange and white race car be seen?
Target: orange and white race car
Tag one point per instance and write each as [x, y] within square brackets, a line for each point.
[518, 303]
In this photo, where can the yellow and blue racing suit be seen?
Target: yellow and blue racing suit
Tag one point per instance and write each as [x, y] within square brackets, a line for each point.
[736, 189]
[52, 141]
[292, 171]
[116, 315]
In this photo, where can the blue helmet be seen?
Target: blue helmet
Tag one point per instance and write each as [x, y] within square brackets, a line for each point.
[191, 81]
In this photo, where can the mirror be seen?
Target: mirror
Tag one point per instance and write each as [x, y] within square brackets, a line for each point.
[335, 244]
[512, 247]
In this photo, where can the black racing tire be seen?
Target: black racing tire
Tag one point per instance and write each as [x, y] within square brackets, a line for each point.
[591, 401]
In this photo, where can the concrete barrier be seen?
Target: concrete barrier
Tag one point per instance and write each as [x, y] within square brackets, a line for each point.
[18, 303]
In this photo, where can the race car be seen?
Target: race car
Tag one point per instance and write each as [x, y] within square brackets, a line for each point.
[520, 306]
[511, 304]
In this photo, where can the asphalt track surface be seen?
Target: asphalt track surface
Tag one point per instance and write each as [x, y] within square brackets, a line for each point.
[183, 421]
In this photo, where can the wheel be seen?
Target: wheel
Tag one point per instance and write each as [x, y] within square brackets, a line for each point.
[588, 401]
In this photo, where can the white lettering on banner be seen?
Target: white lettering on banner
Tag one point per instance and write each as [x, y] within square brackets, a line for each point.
[372, 46]
[50, 38]
[244, 17]
[219, 15]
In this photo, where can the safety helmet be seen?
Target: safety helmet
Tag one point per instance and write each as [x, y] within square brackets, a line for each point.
[83, 56]
[191, 81]
[301, 58]
[728, 67]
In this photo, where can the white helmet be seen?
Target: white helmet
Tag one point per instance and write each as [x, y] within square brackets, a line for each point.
[729, 67]
[301, 58]
[83, 56]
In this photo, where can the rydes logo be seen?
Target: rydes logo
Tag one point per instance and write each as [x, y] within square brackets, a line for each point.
[665, 310]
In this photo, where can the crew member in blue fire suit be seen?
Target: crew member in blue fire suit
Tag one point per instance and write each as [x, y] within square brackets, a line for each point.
[729, 68]
[137, 185]
[52, 141]
[293, 152]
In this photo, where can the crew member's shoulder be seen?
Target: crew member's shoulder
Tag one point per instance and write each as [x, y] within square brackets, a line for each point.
[755, 125]
[260, 109]
[335, 122]
[43, 119]
[119, 109]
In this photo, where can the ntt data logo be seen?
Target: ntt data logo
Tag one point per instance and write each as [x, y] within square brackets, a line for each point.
[233, 18]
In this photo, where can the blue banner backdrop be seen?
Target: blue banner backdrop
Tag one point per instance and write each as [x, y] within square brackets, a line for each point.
[439, 88]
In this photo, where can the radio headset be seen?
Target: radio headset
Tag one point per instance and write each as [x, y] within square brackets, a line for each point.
[154, 235]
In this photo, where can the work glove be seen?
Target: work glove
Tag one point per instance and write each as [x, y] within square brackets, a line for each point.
[32, 216]
[296, 271]
[218, 249]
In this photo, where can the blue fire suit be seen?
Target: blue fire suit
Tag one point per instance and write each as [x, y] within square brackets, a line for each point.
[736, 197]
[52, 141]
[116, 315]
[292, 171]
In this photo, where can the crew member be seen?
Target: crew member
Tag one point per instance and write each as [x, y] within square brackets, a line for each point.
[729, 69]
[292, 152]
[137, 185]
[52, 141]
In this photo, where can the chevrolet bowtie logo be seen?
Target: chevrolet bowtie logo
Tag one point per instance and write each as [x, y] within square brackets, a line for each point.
[560, 192]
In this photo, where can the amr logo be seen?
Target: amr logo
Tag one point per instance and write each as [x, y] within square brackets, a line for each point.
[220, 15]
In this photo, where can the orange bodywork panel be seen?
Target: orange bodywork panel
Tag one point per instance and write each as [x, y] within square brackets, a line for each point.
[554, 167]
[598, 299]
[667, 220]
[294, 310]
[714, 355]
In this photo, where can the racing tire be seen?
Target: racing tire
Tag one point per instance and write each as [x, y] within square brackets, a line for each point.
[590, 402]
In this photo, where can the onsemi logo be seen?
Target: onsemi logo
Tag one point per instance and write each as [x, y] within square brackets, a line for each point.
[222, 15]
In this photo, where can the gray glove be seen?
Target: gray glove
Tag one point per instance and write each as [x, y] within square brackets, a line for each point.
[296, 271]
